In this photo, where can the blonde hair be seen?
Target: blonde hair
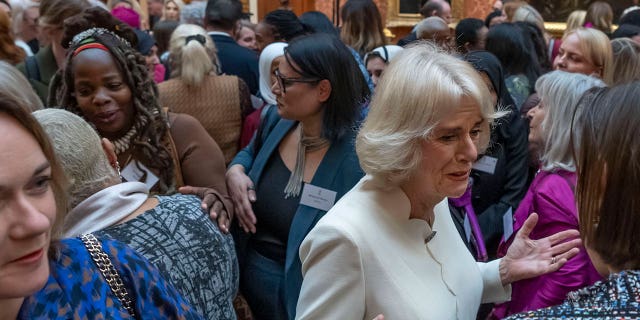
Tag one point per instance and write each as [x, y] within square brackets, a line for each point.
[15, 85]
[626, 61]
[420, 87]
[527, 13]
[575, 20]
[178, 3]
[595, 46]
[192, 61]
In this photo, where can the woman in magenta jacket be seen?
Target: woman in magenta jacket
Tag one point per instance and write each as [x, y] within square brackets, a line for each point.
[551, 193]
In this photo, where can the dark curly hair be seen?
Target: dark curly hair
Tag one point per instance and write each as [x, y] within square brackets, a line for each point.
[149, 145]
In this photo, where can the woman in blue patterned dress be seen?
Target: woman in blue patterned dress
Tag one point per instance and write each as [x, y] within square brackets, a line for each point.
[41, 278]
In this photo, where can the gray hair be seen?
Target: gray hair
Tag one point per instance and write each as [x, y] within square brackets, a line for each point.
[77, 146]
[420, 87]
[193, 13]
[14, 84]
[560, 93]
[428, 26]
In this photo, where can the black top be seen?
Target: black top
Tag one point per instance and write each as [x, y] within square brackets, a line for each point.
[274, 213]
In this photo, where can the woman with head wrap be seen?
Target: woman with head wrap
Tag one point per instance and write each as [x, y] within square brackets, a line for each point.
[268, 63]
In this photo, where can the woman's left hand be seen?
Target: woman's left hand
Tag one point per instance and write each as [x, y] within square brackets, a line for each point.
[211, 199]
[527, 258]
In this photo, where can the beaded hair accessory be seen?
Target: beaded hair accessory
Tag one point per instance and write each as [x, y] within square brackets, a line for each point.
[89, 33]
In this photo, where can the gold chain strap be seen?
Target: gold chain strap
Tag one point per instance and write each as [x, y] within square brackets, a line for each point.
[108, 271]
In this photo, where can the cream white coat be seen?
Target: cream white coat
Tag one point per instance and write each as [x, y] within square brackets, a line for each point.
[366, 257]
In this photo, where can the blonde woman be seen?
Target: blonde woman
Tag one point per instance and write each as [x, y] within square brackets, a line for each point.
[575, 20]
[586, 51]
[195, 88]
[172, 9]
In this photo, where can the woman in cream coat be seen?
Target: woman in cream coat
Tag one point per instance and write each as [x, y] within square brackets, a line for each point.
[389, 246]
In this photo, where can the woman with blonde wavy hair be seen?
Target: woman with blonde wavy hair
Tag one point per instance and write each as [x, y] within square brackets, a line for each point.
[220, 102]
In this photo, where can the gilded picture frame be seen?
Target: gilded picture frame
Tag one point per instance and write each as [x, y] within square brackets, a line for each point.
[396, 18]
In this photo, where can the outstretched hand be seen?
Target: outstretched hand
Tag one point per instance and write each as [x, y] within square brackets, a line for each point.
[527, 258]
[212, 203]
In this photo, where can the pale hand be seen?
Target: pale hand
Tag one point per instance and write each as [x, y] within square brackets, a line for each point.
[240, 188]
[527, 258]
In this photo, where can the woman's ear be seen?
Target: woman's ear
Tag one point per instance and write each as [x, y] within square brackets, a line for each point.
[324, 90]
[109, 151]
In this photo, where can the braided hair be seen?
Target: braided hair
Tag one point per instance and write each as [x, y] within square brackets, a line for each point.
[147, 145]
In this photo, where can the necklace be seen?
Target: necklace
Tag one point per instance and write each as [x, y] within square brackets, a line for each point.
[123, 143]
[310, 144]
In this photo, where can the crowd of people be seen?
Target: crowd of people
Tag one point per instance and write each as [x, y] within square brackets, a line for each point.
[181, 162]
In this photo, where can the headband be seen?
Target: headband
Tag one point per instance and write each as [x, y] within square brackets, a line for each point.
[91, 33]
[90, 45]
[197, 37]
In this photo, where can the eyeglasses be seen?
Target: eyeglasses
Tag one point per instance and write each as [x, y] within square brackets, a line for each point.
[284, 82]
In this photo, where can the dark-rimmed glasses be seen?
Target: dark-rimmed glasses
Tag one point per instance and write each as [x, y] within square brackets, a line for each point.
[284, 82]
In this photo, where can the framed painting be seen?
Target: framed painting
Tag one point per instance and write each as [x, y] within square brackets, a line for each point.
[405, 13]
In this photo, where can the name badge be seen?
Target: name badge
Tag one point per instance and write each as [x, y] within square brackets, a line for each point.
[486, 164]
[318, 198]
[136, 171]
[507, 224]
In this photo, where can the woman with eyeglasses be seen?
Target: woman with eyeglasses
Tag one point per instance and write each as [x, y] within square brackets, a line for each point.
[378, 59]
[301, 161]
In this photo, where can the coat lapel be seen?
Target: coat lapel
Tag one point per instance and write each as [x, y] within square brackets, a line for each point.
[269, 145]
